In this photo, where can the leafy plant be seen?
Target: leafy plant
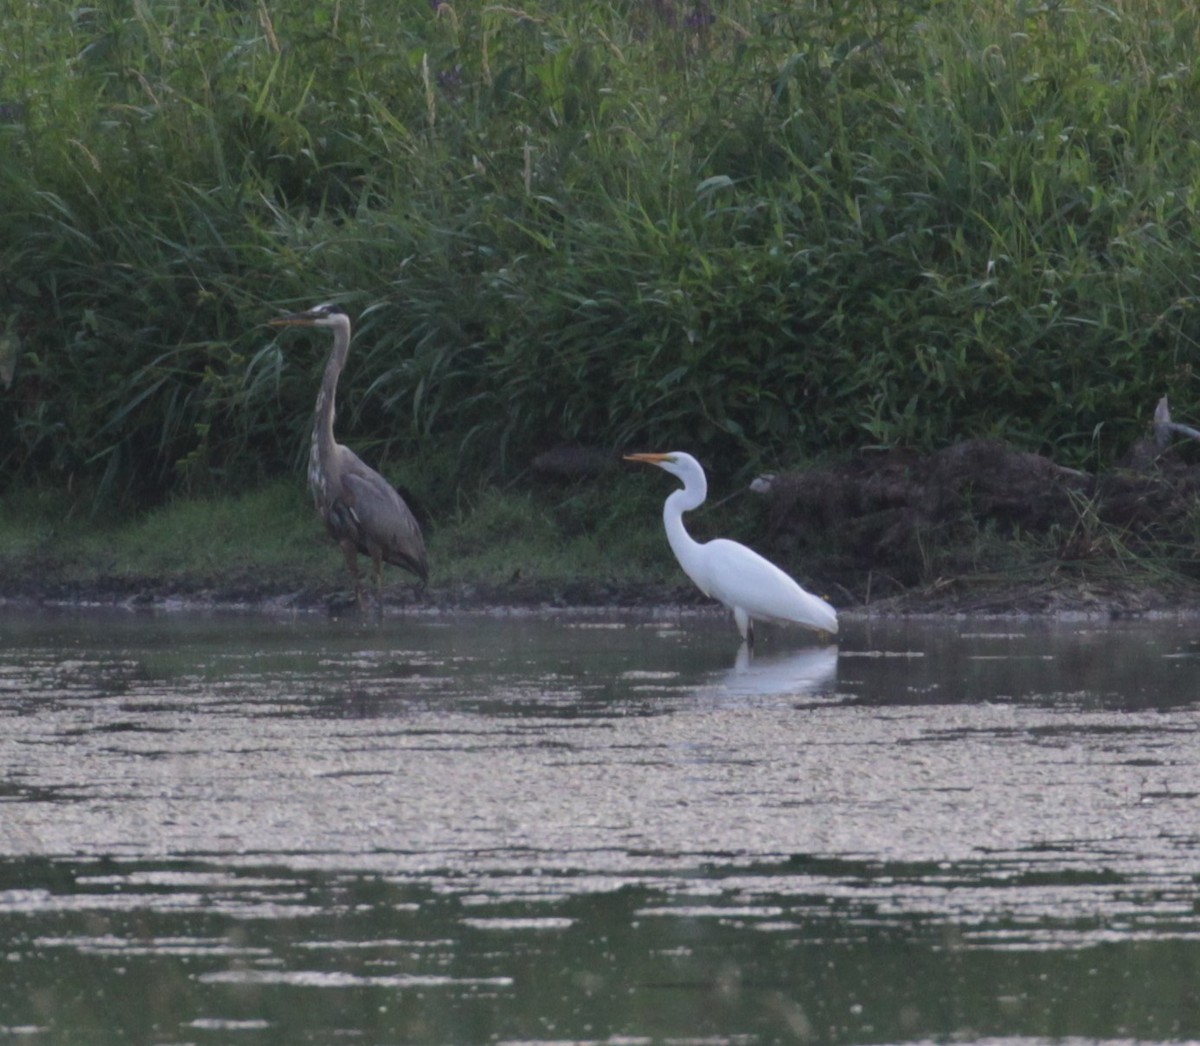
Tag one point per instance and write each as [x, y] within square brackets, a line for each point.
[764, 231]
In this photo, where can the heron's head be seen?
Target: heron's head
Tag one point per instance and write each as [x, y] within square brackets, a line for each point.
[327, 315]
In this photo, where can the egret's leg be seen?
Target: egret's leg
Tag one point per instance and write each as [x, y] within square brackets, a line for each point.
[745, 626]
[742, 661]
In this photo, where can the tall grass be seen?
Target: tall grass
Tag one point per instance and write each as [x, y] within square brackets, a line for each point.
[761, 230]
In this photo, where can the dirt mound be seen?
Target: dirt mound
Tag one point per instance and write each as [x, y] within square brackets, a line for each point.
[886, 511]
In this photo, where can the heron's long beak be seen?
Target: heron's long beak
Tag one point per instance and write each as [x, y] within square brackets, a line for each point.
[295, 319]
[649, 459]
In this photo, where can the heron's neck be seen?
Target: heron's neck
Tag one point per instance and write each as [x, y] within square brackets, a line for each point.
[322, 432]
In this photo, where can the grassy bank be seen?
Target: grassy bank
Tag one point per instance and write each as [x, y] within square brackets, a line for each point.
[519, 546]
[764, 231]
[597, 543]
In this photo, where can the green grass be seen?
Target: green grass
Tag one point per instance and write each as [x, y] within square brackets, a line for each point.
[600, 540]
[762, 231]
[268, 535]
[270, 541]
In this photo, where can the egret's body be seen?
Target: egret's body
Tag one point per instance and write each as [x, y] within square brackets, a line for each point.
[362, 511]
[749, 585]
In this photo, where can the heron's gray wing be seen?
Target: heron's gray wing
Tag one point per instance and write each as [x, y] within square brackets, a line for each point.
[384, 520]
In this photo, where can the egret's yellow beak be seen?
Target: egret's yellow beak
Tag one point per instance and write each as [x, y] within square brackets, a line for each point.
[649, 459]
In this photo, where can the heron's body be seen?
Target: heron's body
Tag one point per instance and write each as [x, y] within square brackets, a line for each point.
[749, 585]
[362, 511]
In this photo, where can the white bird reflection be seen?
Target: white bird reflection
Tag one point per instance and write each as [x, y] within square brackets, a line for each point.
[789, 675]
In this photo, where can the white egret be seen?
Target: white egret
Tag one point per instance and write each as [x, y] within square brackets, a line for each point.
[749, 585]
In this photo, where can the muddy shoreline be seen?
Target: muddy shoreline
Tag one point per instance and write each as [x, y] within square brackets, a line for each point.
[976, 529]
[1051, 597]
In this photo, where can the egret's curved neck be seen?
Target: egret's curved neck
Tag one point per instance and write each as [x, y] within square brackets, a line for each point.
[695, 490]
[322, 433]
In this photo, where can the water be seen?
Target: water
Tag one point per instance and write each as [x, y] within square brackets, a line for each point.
[239, 829]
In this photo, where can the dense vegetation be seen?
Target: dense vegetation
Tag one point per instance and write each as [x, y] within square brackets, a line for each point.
[764, 230]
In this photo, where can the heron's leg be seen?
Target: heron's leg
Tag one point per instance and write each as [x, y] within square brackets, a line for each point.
[378, 558]
[351, 553]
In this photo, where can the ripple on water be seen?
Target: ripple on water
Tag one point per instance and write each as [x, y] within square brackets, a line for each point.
[342, 979]
[623, 832]
[111, 944]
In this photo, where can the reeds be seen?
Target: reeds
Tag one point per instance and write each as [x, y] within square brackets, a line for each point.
[761, 231]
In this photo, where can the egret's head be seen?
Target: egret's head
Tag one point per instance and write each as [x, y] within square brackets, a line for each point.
[676, 462]
[650, 459]
[327, 315]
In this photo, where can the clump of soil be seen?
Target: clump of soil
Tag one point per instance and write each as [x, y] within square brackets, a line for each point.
[898, 519]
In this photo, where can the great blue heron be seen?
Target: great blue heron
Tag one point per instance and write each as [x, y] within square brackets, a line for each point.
[752, 587]
[362, 511]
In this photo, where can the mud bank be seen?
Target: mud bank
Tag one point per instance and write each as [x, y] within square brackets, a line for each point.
[976, 528]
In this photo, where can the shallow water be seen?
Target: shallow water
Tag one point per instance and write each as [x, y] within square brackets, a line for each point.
[221, 828]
